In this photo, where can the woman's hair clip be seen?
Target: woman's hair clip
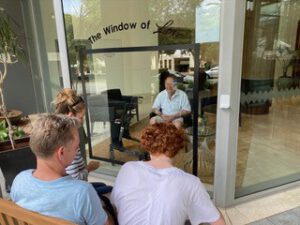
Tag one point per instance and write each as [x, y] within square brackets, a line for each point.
[80, 99]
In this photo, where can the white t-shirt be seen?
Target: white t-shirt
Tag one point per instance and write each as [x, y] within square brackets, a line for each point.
[144, 195]
[179, 101]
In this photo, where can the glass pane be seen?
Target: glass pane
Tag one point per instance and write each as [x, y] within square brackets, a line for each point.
[134, 23]
[207, 33]
[119, 23]
[43, 52]
[120, 98]
[268, 142]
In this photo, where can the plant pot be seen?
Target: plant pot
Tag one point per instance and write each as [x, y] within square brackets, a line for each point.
[13, 115]
[285, 82]
[256, 108]
[14, 161]
[20, 143]
[255, 86]
[296, 82]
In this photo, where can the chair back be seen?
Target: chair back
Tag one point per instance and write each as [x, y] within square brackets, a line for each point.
[114, 94]
[12, 214]
[99, 109]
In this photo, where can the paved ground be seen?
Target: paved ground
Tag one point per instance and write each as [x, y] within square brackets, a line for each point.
[290, 217]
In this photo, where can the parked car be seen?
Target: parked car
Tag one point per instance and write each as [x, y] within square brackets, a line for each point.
[213, 72]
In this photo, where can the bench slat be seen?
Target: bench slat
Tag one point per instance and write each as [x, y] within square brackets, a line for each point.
[2, 219]
[11, 210]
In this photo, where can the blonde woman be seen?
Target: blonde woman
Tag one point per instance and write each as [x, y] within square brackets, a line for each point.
[69, 103]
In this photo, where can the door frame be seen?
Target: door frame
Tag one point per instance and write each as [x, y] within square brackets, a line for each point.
[230, 67]
[229, 84]
[233, 14]
[195, 47]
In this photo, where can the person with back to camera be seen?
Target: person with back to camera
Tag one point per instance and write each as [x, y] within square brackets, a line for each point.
[170, 105]
[69, 103]
[155, 192]
[48, 189]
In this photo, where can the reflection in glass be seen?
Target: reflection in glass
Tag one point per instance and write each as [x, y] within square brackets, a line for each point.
[115, 24]
[268, 141]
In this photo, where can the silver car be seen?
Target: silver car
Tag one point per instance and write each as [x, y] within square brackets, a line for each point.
[213, 72]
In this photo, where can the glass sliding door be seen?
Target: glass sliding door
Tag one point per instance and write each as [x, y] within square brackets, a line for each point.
[269, 135]
[120, 100]
[117, 24]
[131, 76]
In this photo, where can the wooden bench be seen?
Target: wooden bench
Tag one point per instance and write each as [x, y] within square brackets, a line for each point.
[12, 214]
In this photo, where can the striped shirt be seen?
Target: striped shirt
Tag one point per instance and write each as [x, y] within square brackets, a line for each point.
[78, 169]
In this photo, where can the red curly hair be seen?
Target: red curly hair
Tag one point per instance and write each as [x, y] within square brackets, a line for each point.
[163, 138]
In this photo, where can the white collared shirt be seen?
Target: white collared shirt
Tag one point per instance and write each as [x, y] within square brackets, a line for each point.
[179, 101]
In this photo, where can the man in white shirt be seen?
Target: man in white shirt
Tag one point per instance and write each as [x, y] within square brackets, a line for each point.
[170, 105]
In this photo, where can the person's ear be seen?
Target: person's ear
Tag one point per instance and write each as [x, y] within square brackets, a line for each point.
[60, 153]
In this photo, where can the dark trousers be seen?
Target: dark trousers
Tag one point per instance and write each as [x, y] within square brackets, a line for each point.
[101, 188]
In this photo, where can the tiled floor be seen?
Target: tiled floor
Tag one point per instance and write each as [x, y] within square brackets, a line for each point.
[268, 140]
[263, 208]
[290, 217]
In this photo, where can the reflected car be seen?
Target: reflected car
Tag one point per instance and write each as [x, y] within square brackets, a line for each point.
[213, 72]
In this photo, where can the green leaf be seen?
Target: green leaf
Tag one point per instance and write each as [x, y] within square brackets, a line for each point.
[18, 133]
[3, 135]
[3, 125]
[9, 41]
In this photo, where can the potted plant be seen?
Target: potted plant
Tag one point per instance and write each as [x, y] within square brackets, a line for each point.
[11, 162]
[19, 136]
[10, 52]
[287, 57]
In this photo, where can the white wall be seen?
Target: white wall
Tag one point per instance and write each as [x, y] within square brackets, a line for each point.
[129, 71]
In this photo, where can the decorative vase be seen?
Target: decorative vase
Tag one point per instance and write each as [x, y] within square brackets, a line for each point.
[254, 86]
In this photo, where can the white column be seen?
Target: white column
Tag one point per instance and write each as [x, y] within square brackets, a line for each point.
[231, 52]
[62, 44]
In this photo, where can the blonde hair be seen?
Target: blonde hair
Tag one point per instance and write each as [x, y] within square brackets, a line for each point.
[50, 132]
[68, 101]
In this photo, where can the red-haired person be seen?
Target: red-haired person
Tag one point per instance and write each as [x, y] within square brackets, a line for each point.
[156, 192]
